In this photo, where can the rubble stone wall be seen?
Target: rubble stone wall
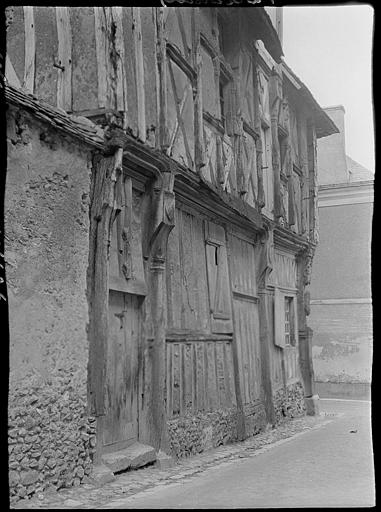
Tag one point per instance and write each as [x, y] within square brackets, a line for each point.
[289, 402]
[191, 434]
[51, 436]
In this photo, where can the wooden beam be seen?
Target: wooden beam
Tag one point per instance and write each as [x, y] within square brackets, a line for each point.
[100, 45]
[121, 80]
[30, 49]
[64, 65]
[161, 52]
[139, 72]
[198, 109]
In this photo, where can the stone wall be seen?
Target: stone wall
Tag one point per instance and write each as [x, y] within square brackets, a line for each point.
[193, 434]
[51, 437]
[289, 402]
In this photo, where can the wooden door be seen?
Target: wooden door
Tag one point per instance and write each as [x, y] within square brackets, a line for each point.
[246, 318]
[120, 423]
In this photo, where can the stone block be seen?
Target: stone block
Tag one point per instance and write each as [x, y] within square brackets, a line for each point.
[135, 456]
[102, 475]
[164, 461]
[29, 477]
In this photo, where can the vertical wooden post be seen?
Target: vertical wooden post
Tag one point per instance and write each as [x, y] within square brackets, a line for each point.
[197, 91]
[64, 88]
[120, 74]
[258, 142]
[313, 184]
[101, 211]
[139, 72]
[158, 223]
[304, 265]
[101, 52]
[30, 49]
[275, 95]
[264, 335]
[265, 261]
[161, 55]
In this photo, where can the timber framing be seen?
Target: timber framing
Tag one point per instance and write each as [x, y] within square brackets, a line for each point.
[143, 162]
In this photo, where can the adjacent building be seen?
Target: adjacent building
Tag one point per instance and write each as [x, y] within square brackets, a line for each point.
[160, 223]
[341, 304]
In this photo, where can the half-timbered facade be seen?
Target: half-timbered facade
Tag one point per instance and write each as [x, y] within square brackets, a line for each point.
[199, 166]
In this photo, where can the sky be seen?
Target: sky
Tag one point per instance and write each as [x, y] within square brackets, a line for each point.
[330, 50]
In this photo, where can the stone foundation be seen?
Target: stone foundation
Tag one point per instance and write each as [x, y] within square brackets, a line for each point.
[51, 440]
[189, 434]
[194, 434]
[289, 402]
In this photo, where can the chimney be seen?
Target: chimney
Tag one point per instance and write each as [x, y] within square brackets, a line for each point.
[331, 156]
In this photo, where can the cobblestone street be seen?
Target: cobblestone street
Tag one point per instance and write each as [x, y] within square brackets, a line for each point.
[133, 484]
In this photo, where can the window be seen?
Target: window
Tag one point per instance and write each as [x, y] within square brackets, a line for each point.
[287, 320]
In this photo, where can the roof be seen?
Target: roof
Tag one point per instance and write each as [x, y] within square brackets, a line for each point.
[324, 125]
[358, 172]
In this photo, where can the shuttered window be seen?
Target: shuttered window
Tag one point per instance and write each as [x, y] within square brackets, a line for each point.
[218, 281]
[285, 318]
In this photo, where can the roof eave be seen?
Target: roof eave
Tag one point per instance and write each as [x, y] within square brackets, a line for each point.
[324, 126]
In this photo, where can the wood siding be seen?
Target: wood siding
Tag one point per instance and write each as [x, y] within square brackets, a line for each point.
[246, 317]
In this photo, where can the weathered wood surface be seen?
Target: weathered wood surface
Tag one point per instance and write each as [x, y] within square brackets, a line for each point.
[121, 382]
[64, 59]
[246, 318]
[187, 292]
[101, 209]
[30, 49]
[139, 66]
[199, 377]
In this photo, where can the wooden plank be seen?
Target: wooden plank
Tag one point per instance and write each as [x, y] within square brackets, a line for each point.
[64, 88]
[100, 44]
[182, 379]
[176, 369]
[121, 79]
[162, 77]
[139, 63]
[187, 51]
[30, 49]
[197, 101]
[188, 377]
[199, 273]
[200, 389]
[169, 379]
[98, 274]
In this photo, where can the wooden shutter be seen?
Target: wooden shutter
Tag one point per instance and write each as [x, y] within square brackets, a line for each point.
[293, 322]
[279, 318]
[218, 280]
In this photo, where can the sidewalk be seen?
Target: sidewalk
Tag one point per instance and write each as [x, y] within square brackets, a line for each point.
[131, 485]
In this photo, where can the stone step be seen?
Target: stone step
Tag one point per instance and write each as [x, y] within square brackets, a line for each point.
[135, 456]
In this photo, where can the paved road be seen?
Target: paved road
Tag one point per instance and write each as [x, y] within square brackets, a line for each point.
[328, 467]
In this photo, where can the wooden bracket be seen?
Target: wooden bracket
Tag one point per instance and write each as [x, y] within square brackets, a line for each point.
[266, 257]
[161, 214]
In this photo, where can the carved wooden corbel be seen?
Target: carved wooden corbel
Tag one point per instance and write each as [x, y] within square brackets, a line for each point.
[265, 258]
